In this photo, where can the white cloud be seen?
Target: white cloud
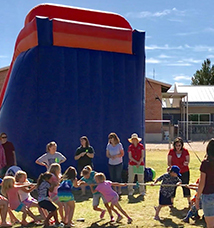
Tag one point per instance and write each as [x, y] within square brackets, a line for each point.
[165, 47]
[186, 33]
[181, 77]
[209, 29]
[152, 60]
[3, 56]
[162, 56]
[178, 64]
[158, 14]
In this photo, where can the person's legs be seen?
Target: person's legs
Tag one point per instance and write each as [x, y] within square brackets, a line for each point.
[186, 191]
[118, 175]
[141, 187]
[157, 211]
[131, 176]
[71, 205]
[4, 209]
[209, 221]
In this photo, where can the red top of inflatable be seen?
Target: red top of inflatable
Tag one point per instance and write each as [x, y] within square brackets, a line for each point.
[77, 14]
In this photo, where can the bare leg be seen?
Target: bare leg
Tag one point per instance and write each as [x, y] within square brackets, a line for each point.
[13, 218]
[4, 209]
[71, 205]
[83, 190]
[117, 205]
[209, 221]
[157, 211]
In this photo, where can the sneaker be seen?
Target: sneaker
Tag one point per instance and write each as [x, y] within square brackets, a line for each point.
[119, 218]
[129, 220]
[112, 219]
[157, 218]
[59, 225]
[102, 214]
[186, 220]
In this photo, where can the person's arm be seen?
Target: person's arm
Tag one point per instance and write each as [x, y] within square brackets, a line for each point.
[14, 155]
[120, 155]
[75, 183]
[186, 163]
[200, 188]
[62, 158]
[30, 189]
[108, 154]
[131, 158]
[41, 161]
[116, 184]
[78, 156]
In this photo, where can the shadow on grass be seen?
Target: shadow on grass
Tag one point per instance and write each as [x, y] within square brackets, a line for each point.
[179, 213]
[167, 222]
[133, 199]
[107, 224]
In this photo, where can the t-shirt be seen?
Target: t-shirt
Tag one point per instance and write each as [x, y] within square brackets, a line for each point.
[43, 191]
[13, 197]
[166, 178]
[48, 158]
[9, 153]
[207, 167]
[136, 153]
[90, 180]
[106, 190]
[84, 160]
[64, 191]
[114, 150]
[179, 161]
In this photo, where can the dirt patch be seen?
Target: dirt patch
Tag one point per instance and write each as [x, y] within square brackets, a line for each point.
[192, 146]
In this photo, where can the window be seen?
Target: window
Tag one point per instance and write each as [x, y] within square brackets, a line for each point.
[199, 118]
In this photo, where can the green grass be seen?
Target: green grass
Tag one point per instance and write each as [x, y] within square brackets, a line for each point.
[142, 212]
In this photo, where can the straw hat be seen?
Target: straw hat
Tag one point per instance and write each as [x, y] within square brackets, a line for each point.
[134, 136]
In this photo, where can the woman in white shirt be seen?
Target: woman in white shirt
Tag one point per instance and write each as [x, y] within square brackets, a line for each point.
[115, 153]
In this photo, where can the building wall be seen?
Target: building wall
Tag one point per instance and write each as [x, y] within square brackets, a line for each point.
[153, 111]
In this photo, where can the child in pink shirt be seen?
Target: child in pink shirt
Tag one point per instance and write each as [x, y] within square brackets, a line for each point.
[10, 190]
[104, 187]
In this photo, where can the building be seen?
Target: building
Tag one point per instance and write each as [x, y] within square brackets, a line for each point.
[191, 111]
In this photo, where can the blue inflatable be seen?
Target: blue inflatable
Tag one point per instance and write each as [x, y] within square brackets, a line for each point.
[60, 93]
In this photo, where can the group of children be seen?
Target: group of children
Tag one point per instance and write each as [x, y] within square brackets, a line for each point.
[55, 194]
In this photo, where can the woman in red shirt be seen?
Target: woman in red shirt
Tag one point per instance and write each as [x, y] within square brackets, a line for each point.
[180, 156]
[136, 156]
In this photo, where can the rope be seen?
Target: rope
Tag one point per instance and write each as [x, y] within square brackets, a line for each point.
[146, 184]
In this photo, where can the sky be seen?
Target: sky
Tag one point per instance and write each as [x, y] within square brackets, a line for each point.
[179, 34]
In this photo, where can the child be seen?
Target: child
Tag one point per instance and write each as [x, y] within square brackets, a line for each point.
[44, 186]
[24, 193]
[171, 178]
[193, 212]
[69, 181]
[105, 188]
[55, 170]
[52, 156]
[10, 190]
[88, 178]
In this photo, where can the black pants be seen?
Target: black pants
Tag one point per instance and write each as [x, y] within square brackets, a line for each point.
[185, 180]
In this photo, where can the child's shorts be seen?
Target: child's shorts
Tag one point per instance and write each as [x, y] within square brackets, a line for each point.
[27, 202]
[115, 199]
[208, 204]
[96, 199]
[19, 208]
[163, 200]
[47, 205]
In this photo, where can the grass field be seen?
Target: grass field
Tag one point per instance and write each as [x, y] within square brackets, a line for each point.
[142, 212]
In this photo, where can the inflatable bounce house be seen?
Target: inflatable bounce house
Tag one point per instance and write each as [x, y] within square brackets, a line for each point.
[74, 72]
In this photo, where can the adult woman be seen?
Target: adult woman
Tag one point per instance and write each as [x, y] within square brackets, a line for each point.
[84, 155]
[180, 156]
[115, 153]
[9, 151]
[206, 185]
[136, 155]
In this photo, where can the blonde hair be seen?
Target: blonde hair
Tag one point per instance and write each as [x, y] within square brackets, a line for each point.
[19, 174]
[50, 144]
[7, 183]
[100, 176]
[54, 167]
[86, 170]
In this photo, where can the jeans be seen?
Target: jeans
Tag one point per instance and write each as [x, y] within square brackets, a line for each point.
[115, 172]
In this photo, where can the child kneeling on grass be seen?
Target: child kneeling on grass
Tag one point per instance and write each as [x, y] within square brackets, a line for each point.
[166, 192]
[104, 187]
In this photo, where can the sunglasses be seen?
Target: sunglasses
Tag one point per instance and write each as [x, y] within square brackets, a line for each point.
[4, 137]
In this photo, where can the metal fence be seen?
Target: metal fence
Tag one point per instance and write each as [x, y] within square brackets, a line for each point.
[195, 131]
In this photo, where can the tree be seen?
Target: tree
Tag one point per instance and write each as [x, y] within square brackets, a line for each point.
[204, 76]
